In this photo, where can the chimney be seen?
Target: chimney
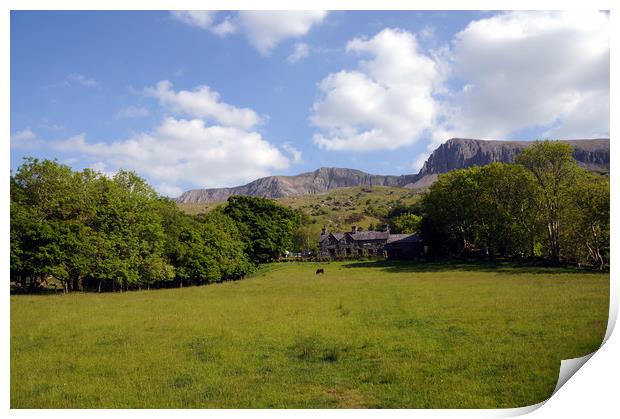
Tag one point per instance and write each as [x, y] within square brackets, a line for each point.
[354, 229]
[324, 231]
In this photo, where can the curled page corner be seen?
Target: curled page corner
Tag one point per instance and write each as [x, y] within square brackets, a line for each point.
[518, 411]
[568, 368]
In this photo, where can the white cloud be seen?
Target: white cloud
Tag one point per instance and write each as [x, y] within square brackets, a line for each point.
[532, 69]
[205, 19]
[428, 32]
[203, 103]
[24, 139]
[101, 168]
[385, 104]
[133, 112]
[169, 190]
[438, 135]
[499, 77]
[265, 29]
[300, 51]
[23, 135]
[98, 166]
[52, 127]
[76, 78]
[181, 151]
[188, 152]
[224, 28]
[293, 152]
[202, 19]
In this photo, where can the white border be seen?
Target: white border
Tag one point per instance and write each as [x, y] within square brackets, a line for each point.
[594, 389]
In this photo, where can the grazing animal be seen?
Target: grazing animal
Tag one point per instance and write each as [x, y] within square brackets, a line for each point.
[320, 271]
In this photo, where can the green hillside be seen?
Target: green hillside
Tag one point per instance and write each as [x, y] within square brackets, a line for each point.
[339, 209]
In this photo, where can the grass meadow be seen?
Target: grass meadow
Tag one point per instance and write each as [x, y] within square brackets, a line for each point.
[365, 334]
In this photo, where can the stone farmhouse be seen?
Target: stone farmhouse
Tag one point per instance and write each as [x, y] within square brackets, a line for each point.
[380, 244]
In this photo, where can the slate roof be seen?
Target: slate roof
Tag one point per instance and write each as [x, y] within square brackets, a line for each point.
[337, 236]
[369, 235]
[375, 235]
[404, 238]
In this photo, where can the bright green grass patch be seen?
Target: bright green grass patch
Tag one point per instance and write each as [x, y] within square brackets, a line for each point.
[362, 335]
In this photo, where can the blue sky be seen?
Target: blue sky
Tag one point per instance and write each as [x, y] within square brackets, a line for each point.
[210, 99]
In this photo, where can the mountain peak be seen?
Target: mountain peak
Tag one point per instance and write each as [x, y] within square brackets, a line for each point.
[459, 153]
[456, 153]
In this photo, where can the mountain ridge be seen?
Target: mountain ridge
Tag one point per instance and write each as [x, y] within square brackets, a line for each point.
[320, 180]
[456, 153]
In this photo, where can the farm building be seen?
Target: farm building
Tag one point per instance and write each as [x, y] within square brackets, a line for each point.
[381, 243]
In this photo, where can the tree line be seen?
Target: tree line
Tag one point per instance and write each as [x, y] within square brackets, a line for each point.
[92, 232]
[543, 206]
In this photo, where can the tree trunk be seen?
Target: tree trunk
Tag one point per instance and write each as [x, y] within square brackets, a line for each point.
[33, 280]
[595, 250]
[554, 244]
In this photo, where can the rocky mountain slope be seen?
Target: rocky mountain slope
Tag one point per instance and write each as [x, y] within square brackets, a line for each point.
[456, 153]
[321, 180]
[459, 153]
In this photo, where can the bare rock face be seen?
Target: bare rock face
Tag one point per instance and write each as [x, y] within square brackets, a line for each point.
[459, 153]
[456, 153]
[321, 180]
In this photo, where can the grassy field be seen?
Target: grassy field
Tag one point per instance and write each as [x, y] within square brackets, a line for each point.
[365, 334]
[340, 208]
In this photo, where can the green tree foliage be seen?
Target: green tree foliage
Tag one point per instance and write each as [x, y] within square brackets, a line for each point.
[508, 218]
[400, 209]
[130, 231]
[45, 227]
[34, 251]
[451, 215]
[543, 204]
[586, 232]
[266, 227]
[404, 218]
[87, 231]
[304, 237]
[405, 223]
[225, 243]
[554, 169]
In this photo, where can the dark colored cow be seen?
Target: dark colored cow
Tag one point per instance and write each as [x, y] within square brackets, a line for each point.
[320, 271]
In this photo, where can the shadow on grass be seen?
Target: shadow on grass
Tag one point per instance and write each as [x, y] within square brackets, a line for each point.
[38, 291]
[467, 265]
